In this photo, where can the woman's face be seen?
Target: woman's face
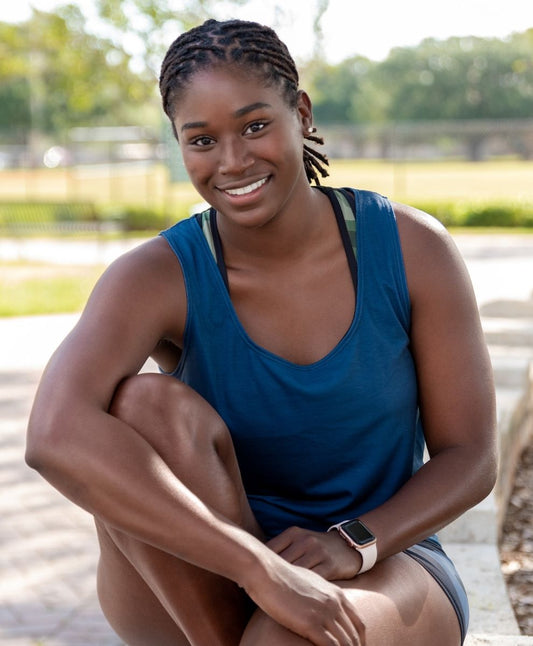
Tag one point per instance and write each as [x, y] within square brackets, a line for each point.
[242, 144]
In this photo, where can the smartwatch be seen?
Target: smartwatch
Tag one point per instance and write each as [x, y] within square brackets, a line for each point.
[358, 536]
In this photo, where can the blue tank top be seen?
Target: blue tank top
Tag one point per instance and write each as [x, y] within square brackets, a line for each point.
[317, 443]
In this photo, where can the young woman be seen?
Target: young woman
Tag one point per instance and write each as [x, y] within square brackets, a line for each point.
[315, 341]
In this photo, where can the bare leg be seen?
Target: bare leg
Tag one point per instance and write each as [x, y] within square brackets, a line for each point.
[399, 603]
[149, 596]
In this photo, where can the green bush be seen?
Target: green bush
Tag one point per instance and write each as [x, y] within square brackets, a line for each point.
[134, 218]
[449, 213]
[492, 216]
[13, 214]
[51, 217]
[459, 214]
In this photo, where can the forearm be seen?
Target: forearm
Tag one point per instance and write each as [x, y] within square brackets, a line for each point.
[444, 488]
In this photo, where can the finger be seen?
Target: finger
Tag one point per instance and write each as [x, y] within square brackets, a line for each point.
[337, 636]
[346, 632]
[355, 627]
[293, 553]
[346, 624]
[309, 561]
[281, 541]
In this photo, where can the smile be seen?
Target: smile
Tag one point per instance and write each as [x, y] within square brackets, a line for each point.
[246, 189]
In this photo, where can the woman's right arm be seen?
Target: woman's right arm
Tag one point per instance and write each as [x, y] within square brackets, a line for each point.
[92, 457]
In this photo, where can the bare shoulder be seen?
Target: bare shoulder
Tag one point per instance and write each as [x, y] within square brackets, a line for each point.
[431, 257]
[149, 259]
[143, 281]
[138, 301]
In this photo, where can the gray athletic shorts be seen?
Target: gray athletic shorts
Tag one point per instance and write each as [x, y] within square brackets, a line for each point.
[434, 559]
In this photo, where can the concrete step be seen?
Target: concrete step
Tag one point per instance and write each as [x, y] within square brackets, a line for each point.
[510, 332]
[510, 368]
[478, 565]
[498, 640]
[508, 308]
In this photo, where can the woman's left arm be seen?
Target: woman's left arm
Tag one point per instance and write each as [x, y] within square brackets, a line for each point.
[456, 390]
[457, 405]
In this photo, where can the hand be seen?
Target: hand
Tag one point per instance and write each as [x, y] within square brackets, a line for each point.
[306, 604]
[326, 553]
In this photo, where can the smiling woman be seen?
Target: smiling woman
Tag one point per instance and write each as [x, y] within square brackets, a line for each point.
[271, 487]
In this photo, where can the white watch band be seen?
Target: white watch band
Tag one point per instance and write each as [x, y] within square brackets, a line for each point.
[369, 552]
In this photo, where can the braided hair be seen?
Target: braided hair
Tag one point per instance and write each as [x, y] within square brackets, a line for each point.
[243, 43]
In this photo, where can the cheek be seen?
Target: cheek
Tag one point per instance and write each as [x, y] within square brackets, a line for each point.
[287, 147]
[196, 167]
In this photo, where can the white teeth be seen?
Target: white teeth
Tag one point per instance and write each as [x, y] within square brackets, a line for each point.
[246, 189]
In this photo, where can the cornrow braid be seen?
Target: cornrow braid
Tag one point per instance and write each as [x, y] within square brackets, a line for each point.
[243, 43]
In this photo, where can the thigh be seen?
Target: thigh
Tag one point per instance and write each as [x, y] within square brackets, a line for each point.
[398, 601]
[401, 604]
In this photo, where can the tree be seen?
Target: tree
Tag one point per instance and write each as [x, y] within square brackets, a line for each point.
[344, 93]
[151, 21]
[15, 114]
[54, 76]
[460, 78]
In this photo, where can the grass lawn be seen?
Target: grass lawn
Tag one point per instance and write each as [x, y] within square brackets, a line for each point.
[28, 289]
[505, 181]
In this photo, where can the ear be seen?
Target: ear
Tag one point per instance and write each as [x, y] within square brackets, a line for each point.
[305, 110]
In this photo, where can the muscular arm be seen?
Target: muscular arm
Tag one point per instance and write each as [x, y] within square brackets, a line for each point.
[89, 455]
[456, 391]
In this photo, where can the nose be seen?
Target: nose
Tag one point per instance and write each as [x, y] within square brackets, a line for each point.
[235, 157]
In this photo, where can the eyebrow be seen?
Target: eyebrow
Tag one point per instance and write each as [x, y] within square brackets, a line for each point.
[241, 112]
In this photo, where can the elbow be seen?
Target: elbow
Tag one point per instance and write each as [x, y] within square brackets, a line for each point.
[487, 476]
[45, 441]
[492, 476]
[35, 455]
[38, 452]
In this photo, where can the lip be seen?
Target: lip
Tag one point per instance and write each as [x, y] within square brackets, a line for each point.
[245, 189]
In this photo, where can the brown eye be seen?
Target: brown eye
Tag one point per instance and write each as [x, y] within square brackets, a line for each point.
[202, 141]
[255, 127]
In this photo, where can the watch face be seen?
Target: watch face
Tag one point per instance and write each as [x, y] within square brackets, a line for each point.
[358, 532]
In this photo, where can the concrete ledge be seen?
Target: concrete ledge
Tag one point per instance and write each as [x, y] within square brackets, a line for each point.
[498, 640]
[490, 608]
[472, 540]
[516, 431]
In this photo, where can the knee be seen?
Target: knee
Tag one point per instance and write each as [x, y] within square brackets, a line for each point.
[166, 410]
[152, 398]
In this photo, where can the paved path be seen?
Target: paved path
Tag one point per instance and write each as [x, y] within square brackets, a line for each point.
[47, 546]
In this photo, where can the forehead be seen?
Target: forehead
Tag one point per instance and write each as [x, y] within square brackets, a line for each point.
[225, 89]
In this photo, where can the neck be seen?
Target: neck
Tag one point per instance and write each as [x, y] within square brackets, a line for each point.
[283, 237]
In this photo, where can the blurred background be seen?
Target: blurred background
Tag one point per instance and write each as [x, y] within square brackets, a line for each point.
[427, 104]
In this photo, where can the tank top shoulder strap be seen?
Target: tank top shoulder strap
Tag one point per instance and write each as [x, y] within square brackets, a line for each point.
[208, 224]
[343, 202]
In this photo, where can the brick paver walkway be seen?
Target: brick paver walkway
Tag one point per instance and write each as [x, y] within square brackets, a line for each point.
[47, 545]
